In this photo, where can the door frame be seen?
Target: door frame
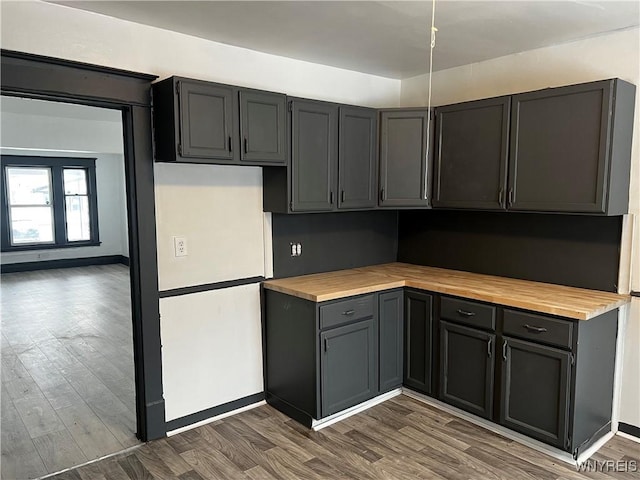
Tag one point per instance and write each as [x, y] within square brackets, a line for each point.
[46, 78]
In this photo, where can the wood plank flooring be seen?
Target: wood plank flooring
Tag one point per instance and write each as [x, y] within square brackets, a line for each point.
[399, 439]
[68, 393]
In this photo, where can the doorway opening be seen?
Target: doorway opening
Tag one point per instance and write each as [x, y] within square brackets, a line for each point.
[68, 369]
[128, 93]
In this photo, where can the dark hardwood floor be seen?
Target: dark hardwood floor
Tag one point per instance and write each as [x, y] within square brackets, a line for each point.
[399, 439]
[68, 393]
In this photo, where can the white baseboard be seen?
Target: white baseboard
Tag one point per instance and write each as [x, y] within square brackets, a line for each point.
[336, 417]
[628, 437]
[505, 432]
[217, 417]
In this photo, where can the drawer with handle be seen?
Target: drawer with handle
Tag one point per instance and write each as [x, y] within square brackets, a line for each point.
[538, 328]
[346, 311]
[469, 313]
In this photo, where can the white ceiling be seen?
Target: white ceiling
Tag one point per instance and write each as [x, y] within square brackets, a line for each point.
[382, 38]
[28, 106]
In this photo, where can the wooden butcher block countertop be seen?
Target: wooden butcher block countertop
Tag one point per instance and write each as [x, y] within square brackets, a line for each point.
[571, 302]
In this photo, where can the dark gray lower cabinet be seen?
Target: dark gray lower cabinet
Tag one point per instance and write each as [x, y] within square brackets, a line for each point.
[390, 321]
[467, 366]
[322, 358]
[418, 341]
[535, 391]
[348, 365]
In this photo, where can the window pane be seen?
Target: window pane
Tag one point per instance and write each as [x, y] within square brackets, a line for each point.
[75, 181]
[78, 227]
[31, 225]
[29, 186]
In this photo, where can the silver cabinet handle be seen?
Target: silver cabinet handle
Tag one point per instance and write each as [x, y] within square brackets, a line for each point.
[504, 350]
[349, 312]
[489, 348]
[533, 329]
[464, 313]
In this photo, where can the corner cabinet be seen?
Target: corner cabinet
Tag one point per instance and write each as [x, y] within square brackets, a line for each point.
[571, 148]
[405, 169]
[470, 162]
[203, 122]
[357, 158]
[418, 341]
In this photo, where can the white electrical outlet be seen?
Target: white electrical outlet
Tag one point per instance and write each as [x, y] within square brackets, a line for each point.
[180, 246]
[296, 249]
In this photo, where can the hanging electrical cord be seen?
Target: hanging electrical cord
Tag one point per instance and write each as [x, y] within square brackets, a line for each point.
[432, 45]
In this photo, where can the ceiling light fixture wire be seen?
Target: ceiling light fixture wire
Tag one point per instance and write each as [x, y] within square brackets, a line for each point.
[432, 45]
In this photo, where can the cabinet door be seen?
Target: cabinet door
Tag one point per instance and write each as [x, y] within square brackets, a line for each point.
[470, 167]
[207, 121]
[559, 142]
[404, 168]
[535, 391]
[263, 127]
[390, 338]
[357, 179]
[348, 366]
[314, 156]
[418, 346]
[467, 368]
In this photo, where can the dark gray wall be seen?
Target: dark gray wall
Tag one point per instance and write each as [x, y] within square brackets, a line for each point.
[580, 251]
[333, 241]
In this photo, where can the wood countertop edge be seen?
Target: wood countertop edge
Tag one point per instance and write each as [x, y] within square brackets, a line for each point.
[391, 281]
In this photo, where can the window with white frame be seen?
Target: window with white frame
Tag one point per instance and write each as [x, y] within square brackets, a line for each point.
[48, 202]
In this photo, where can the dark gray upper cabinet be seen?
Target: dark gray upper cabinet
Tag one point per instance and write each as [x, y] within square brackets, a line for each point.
[314, 155]
[570, 148]
[418, 341]
[470, 163]
[357, 172]
[404, 168]
[195, 122]
[203, 122]
[348, 365]
[536, 391]
[467, 368]
[390, 324]
[207, 121]
[263, 127]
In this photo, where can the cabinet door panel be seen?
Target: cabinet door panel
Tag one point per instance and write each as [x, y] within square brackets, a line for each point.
[471, 154]
[535, 391]
[207, 121]
[263, 127]
[357, 182]
[403, 159]
[348, 366]
[314, 155]
[390, 321]
[418, 350]
[467, 368]
[559, 144]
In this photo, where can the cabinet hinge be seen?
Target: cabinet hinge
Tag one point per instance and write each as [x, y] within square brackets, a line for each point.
[177, 87]
[290, 106]
[572, 359]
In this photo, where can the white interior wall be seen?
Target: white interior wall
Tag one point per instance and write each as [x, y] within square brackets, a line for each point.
[605, 56]
[46, 135]
[218, 209]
